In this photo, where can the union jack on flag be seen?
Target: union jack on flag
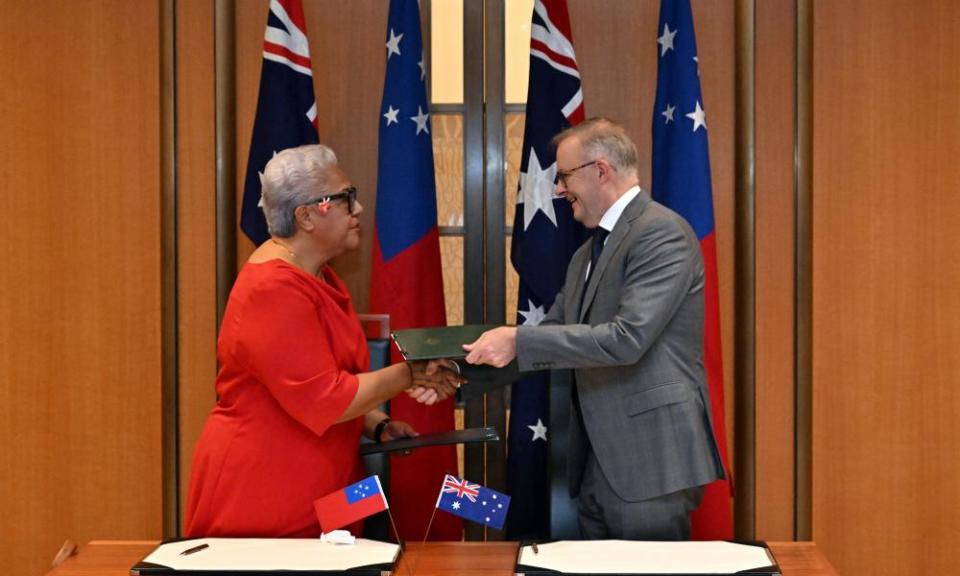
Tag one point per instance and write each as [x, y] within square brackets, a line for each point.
[473, 502]
[462, 488]
[286, 105]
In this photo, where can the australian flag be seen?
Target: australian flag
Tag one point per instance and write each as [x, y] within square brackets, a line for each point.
[545, 236]
[406, 279]
[473, 502]
[286, 106]
[681, 180]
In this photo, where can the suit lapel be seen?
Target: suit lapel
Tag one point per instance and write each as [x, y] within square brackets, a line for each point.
[633, 211]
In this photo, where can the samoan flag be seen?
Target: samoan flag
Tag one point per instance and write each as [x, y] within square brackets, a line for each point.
[350, 504]
[473, 502]
[545, 236]
[681, 180]
[286, 107]
[406, 279]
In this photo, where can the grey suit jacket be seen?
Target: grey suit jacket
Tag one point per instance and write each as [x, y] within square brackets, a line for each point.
[637, 349]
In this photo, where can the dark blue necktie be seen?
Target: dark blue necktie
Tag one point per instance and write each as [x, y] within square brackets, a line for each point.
[599, 236]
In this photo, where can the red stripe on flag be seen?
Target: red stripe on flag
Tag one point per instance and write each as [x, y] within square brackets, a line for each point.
[577, 116]
[713, 520]
[410, 286]
[559, 16]
[281, 50]
[294, 10]
[555, 56]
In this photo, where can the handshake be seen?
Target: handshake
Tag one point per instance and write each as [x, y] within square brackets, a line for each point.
[434, 380]
[486, 355]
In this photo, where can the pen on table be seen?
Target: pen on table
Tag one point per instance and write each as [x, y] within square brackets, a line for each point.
[534, 547]
[189, 551]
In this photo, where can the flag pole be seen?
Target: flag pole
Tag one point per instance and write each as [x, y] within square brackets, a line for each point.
[395, 531]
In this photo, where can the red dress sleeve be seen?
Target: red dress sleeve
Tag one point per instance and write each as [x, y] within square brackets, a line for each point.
[285, 344]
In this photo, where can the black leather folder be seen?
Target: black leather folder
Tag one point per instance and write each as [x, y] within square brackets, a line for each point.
[466, 436]
[438, 342]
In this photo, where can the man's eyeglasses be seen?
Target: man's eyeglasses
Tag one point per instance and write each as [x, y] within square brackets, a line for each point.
[350, 193]
[562, 175]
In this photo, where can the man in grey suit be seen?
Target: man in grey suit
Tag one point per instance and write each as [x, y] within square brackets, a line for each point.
[629, 321]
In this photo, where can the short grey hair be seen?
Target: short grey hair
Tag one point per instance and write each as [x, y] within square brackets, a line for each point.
[291, 178]
[601, 136]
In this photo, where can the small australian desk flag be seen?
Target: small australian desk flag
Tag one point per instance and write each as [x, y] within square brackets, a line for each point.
[473, 502]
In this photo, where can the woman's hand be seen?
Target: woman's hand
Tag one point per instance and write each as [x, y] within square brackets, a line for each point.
[396, 429]
[423, 395]
[434, 381]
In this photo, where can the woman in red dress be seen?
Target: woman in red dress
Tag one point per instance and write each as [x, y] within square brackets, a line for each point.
[294, 394]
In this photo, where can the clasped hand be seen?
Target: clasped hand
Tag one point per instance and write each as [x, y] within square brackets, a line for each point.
[434, 381]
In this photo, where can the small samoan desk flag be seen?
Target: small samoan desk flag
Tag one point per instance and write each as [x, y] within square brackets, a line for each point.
[350, 504]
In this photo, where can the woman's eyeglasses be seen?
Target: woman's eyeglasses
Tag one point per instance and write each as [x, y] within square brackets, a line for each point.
[350, 193]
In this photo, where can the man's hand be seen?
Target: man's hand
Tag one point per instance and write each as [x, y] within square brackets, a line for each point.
[497, 347]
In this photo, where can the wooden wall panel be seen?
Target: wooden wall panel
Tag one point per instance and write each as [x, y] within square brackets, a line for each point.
[616, 54]
[196, 195]
[80, 288]
[347, 49]
[774, 192]
[886, 476]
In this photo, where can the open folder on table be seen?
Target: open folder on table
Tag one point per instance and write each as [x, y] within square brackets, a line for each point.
[260, 556]
[622, 557]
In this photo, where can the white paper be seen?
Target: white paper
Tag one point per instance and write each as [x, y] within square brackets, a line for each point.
[633, 557]
[225, 554]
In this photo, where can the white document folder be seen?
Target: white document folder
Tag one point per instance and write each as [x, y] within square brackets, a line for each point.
[263, 555]
[649, 558]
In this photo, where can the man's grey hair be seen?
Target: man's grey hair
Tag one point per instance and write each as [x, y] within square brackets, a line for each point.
[292, 178]
[602, 137]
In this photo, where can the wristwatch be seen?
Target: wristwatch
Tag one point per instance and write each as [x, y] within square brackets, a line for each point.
[378, 431]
